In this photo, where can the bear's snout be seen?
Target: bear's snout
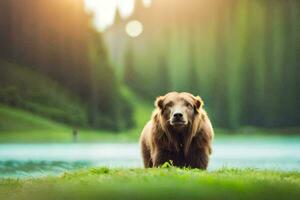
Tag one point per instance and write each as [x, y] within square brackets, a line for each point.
[177, 119]
[177, 116]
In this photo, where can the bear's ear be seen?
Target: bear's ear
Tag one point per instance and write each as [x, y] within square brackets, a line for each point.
[159, 102]
[198, 102]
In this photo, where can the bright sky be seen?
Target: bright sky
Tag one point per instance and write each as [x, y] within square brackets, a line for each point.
[104, 10]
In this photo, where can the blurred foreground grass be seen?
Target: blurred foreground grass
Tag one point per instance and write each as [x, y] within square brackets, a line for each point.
[164, 183]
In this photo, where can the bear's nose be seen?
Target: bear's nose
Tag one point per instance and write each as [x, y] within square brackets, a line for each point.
[178, 115]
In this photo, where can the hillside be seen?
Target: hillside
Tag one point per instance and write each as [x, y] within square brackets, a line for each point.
[17, 120]
[19, 125]
[24, 88]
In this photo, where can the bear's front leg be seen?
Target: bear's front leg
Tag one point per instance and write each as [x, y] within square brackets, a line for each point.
[198, 158]
[162, 156]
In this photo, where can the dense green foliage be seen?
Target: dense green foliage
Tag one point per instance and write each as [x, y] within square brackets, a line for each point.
[167, 183]
[106, 95]
[18, 125]
[240, 56]
[24, 88]
[62, 47]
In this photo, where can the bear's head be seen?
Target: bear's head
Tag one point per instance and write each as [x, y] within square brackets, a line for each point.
[178, 110]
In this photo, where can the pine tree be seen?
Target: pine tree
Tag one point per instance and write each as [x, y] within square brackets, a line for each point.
[104, 89]
[164, 81]
[130, 74]
[220, 79]
[193, 78]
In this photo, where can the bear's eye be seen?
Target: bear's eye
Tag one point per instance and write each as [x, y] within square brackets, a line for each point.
[166, 108]
[189, 105]
[168, 105]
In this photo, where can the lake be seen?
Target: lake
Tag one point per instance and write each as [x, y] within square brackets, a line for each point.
[35, 160]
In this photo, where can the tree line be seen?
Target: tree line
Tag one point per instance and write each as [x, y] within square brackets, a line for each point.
[57, 39]
[240, 56]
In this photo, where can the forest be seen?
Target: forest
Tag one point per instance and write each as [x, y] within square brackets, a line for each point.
[241, 57]
[65, 73]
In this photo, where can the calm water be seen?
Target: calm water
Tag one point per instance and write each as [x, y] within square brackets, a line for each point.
[31, 160]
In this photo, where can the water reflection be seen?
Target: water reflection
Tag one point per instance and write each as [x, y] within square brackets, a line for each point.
[27, 160]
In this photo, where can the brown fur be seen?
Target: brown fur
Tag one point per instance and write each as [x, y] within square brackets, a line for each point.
[185, 147]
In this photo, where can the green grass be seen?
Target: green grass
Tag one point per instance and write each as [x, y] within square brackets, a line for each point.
[12, 119]
[18, 125]
[164, 183]
[21, 126]
[25, 88]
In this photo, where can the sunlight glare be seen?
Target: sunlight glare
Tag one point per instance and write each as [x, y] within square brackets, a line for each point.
[104, 10]
[134, 28]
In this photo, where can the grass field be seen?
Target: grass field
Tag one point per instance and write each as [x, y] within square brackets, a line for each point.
[164, 183]
[25, 88]
[19, 126]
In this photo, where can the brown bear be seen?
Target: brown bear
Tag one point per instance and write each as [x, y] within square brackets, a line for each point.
[179, 132]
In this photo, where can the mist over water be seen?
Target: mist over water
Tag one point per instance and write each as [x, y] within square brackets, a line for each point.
[35, 160]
